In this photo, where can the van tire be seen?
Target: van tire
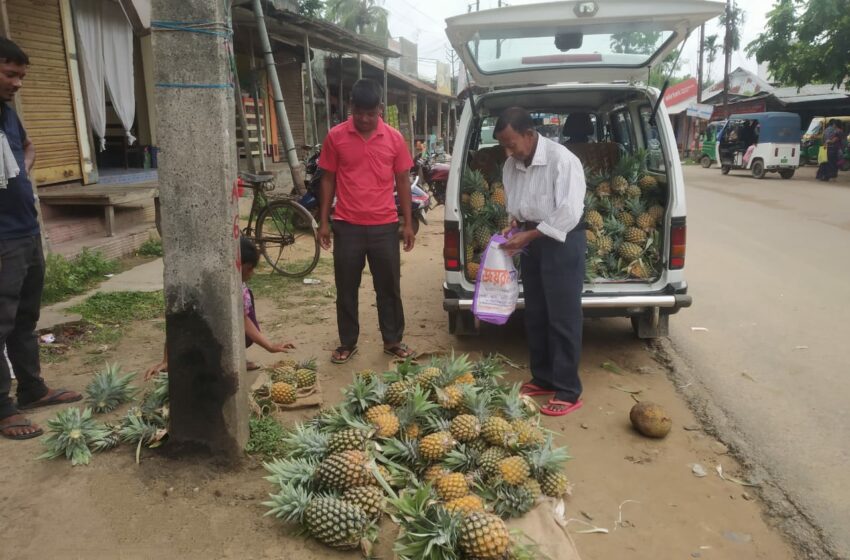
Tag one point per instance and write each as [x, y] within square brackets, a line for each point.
[645, 327]
[786, 173]
[705, 161]
[758, 169]
[725, 169]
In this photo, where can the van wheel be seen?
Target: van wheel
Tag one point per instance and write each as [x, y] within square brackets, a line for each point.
[758, 169]
[786, 173]
[725, 169]
[650, 325]
[705, 161]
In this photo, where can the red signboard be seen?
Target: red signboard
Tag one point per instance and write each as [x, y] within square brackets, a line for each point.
[681, 92]
[738, 108]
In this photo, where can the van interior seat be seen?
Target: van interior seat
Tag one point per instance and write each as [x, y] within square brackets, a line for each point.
[597, 156]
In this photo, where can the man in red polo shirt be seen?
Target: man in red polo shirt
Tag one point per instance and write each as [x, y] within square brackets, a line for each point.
[365, 162]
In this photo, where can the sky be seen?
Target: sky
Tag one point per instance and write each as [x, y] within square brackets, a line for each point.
[424, 22]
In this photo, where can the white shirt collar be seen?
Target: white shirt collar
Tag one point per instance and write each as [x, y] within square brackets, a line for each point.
[539, 155]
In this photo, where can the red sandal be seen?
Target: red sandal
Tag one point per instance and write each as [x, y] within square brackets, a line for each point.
[531, 390]
[550, 410]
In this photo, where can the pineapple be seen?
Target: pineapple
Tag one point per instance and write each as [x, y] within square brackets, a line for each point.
[591, 237]
[285, 374]
[415, 410]
[468, 252]
[108, 390]
[482, 235]
[433, 473]
[465, 428]
[647, 183]
[434, 447]
[657, 212]
[594, 220]
[72, 433]
[489, 460]
[450, 397]
[343, 470]
[412, 431]
[472, 271]
[347, 440]
[533, 488]
[603, 189]
[638, 269]
[626, 218]
[397, 393]
[527, 433]
[514, 470]
[331, 521]
[466, 504]
[428, 375]
[554, 484]
[477, 200]
[592, 267]
[384, 419]
[604, 245]
[630, 251]
[451, 486]
[496, 431]
[633, 191]
[512, 501]
[366, 374]
[466, 378]
[619, 184]
[283, 393]
[305, 377]
[635, 235]
[370, 499]
[465, 202]
[483, 536]
[643, 219]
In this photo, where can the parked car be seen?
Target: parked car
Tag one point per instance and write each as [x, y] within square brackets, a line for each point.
[761, 143]
[560, 58]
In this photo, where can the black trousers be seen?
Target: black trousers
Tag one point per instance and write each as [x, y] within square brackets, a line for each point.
[552, 280]
[353, 246]
[21, 284]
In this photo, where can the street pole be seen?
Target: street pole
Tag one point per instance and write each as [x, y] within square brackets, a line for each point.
[701, 62]
[386, 92]
[727, 45]
[280, 106]
[359, 66]
[205, 339]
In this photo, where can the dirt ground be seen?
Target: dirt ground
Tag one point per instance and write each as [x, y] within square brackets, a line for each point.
[642, 491]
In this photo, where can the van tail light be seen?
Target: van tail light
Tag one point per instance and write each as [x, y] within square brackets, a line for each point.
[451, 246]
[678, 235]
[776, 152]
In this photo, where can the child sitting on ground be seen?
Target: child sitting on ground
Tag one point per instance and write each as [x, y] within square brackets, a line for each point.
[250, 260]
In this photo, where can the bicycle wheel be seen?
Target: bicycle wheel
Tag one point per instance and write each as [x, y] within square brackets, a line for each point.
[287, 245]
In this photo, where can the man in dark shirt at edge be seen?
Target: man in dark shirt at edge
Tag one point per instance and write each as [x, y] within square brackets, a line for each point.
[21, 265]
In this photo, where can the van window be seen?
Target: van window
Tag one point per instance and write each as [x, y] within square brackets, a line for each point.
[815, 127]
[652, 141]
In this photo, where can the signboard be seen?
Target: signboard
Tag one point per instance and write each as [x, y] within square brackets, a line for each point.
[738, 108]
[700, 111]
[681, 92]
[444, 78]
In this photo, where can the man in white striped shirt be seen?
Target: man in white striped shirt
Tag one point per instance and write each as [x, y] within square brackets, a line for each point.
[544, 184]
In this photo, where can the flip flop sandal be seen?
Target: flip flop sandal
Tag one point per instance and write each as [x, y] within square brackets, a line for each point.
[56, 398]
[532, 390]
[549, 410]
[400, 351]
[23, 423]
[252, 366]
[340, 349]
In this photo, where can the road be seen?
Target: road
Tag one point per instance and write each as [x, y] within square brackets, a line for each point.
[768, 268]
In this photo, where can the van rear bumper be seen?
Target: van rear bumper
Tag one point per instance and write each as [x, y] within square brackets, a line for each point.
[618, 305]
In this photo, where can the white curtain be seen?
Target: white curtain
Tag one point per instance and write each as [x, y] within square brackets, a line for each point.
[87, 17]
[118, 64]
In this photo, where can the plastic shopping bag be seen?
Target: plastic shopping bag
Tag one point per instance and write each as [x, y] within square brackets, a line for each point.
[823, 157]
[497, 284]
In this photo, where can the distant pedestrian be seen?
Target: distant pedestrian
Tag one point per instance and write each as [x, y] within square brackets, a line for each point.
[365, 161]
[545, 188]
[833, 141]
[21, 262]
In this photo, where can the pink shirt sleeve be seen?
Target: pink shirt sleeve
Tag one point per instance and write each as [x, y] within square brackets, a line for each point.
[329, 159]
[246, 300]
[403, 161]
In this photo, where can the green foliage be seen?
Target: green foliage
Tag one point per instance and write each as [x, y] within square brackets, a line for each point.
[311, 8]
[365, 17]
[150, 248]
[73, 434]
[737, 18]
[266, 437]
[806, 42]
[121, 307]
[711, 46]
[64, 278]
[646, 43]
[109, 389]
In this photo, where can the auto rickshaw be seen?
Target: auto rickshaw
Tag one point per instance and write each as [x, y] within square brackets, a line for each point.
[813, 139]
[708, 143]
[760, 142]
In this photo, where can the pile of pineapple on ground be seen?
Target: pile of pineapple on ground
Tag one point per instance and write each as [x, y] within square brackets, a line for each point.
[288, 380]
[442, 449]
[75, 433]
[624, 209]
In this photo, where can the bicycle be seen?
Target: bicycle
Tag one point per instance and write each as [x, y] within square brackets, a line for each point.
[286, 233]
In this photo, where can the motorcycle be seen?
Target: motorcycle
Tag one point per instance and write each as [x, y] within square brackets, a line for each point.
[433, 173]
[421, 200]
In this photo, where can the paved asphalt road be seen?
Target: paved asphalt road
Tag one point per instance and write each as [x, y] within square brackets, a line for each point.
[768, 265]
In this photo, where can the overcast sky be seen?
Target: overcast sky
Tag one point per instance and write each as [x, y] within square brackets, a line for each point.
[424, 23]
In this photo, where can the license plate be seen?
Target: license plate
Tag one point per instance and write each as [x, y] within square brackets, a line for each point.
[784, 160]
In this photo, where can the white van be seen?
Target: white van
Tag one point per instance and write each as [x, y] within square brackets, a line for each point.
[580, 62]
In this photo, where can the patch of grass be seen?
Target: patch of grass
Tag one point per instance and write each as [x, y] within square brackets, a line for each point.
[151, 248]
[64, 278]
[115, 308]
[266, 437]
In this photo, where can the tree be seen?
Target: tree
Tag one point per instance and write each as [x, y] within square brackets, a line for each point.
[647, 43]
[711, 46]
[738, 18]
[311, 8]
[806, 42]
[365, 17]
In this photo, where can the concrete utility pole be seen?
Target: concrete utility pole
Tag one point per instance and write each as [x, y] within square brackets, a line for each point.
[701, 62]
[727, 57]
[197, 183]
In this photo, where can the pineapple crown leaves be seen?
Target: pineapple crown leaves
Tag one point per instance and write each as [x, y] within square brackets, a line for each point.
[406, 369]
[416, 407]
[509, 501]
[109, 389]
[472, 180]
[479, 401]
[298, 472]
[454, 367]
[136, 428]
[546, 458]
[363, 393]
[289, 503]
[462, 459]
[72, 431]
[488, 368]
[434, 423]
[429, 532]
[309, 363]
[399, 451]
[515, 405]
[304, 442]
